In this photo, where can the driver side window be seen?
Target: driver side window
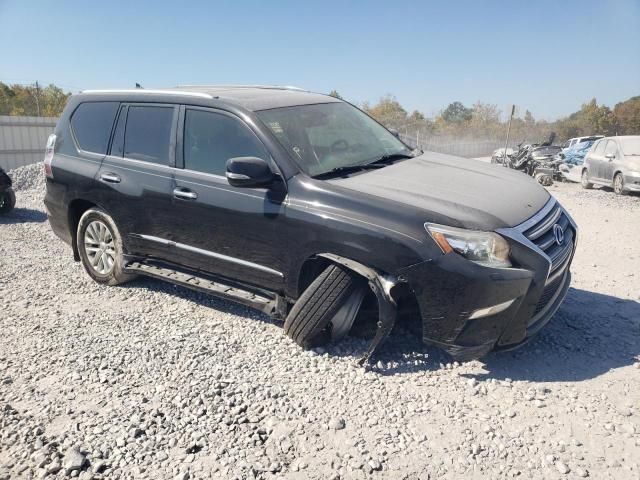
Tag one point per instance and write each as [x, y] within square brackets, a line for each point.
[210, 139]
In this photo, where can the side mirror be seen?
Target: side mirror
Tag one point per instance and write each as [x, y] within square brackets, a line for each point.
[249, 172]
[610, 156]
[394, 132]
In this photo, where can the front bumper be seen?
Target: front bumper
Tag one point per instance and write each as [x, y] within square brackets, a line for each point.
[450, 289]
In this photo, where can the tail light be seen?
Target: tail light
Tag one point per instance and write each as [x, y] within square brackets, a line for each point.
[48, 155]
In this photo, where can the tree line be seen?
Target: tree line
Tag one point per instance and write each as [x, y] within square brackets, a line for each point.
[479, 121]
[485, 121]
[32, 100]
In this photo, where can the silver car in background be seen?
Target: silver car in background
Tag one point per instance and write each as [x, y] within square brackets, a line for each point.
[614, 162]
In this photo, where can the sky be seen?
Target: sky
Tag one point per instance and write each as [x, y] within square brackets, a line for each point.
[545, 56]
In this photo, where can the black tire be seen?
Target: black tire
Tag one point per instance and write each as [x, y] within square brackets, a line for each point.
[584, 180]
[310, 316]
[618, 184]
[7, 201]
[114, 274]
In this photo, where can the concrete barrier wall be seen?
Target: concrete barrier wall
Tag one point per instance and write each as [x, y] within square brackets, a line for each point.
[22, 139]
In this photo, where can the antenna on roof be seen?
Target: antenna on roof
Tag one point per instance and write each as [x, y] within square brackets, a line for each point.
[139, 86]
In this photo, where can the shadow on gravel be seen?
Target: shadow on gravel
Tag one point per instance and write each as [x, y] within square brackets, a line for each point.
[209, 301]
[591, 334]
[23, 215]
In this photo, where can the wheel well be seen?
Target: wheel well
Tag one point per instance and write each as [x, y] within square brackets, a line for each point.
[76, 209]
[409, 314]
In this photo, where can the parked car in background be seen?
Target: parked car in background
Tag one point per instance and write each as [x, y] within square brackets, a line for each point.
[571, 160]
[576, 140]
[7, 195]
[613, 162]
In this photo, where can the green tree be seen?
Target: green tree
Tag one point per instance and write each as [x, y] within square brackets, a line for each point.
[627, 116]
[456, 112]
[388, 111]
[334, 93]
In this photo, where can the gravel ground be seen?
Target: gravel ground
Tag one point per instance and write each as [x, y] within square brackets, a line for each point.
[153, 381]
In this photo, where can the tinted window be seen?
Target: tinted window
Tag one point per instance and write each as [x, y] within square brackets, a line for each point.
[210, 139]
[148, 134]
[91, 124]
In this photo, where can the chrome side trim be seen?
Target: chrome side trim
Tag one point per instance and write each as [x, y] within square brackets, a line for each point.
[208, 253]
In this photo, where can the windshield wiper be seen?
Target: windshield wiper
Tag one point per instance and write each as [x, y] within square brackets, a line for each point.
[348, 169]
[390, 158]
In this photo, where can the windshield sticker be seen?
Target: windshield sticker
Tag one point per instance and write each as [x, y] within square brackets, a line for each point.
[275, 127]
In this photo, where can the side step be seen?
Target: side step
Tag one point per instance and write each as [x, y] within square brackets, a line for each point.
[250, 299]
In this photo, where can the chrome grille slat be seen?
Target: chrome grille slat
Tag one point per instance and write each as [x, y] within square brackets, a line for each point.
[546, 224]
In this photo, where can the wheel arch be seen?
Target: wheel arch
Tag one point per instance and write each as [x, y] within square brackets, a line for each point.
[77, 208]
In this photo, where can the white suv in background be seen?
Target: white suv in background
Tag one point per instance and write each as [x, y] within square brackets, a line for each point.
[572, 141]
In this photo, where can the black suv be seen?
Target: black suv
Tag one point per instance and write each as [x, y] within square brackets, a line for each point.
[301, 205]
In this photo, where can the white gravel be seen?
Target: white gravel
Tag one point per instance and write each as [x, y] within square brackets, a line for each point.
[154, 381]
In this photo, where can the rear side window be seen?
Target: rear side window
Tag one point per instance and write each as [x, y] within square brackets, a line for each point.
[148, 134]
[210, 139]
[91, 124]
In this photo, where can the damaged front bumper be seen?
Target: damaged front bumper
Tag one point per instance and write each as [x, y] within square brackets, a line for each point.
[469, 310]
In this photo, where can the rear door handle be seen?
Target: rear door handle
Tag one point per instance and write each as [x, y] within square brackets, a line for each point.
[110, 177]
[184, 194]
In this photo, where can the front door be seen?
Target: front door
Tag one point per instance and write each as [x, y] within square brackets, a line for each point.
[596, 156]
[229, 231]
[609, 160]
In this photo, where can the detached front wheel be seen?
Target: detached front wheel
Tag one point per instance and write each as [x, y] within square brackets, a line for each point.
[100, 248]
[308, 322]
[7, 201]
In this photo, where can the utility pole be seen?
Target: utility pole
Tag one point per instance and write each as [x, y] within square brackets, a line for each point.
[506, 143]
[37, 97]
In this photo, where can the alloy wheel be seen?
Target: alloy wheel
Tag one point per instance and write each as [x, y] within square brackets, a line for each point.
[99, 247]
[618, 184]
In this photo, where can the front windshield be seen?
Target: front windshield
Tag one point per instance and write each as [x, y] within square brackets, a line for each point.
[327, 136]
[630, 145]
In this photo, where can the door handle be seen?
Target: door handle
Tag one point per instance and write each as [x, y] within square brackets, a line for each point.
[110, 177]
[184, 194]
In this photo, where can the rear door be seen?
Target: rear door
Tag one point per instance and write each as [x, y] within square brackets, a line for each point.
[135, 178]
[229, 231]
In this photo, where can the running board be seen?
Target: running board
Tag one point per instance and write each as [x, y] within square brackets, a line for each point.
[202, 284]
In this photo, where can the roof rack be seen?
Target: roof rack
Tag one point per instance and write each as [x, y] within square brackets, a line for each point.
[152, 92]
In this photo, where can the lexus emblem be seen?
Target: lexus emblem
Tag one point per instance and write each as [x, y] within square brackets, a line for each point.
[558, 233]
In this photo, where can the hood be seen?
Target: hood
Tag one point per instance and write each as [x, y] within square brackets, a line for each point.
[545, 151]
[455, 191]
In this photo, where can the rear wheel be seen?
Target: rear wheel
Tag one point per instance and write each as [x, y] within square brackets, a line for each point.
[585, 180]
[100, 248]
[618, 184]
[308, 322]
[7, 201]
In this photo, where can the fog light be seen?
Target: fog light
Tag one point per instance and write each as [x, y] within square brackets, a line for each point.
[485, 312]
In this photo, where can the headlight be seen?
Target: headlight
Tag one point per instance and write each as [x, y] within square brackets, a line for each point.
[484, 248]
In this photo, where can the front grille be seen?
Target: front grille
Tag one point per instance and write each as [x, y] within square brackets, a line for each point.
[543, 236]
[540, 231]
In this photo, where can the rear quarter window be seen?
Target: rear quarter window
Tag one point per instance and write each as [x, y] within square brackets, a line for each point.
[91, 124]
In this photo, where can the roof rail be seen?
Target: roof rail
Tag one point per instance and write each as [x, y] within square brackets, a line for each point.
[152, 92]
[266, 87]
